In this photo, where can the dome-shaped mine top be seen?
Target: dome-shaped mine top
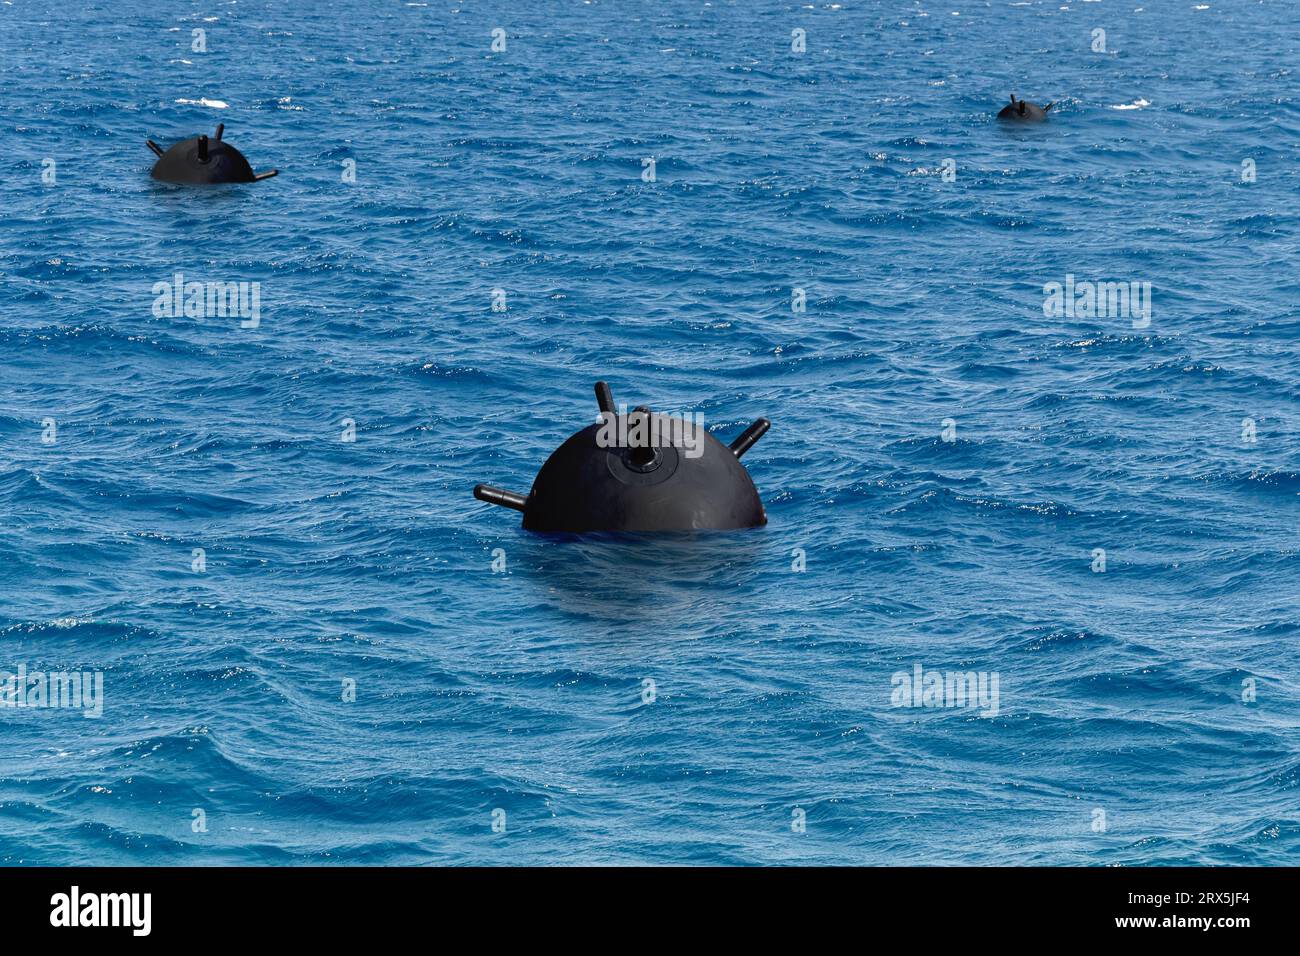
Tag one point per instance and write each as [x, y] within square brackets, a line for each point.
[200, 161]
[640, 471]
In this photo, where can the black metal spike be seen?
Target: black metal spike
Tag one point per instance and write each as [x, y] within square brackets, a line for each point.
[497, 496]
[605, 398]
[745, 441]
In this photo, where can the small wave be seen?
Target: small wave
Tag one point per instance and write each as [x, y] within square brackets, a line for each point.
[204, 101]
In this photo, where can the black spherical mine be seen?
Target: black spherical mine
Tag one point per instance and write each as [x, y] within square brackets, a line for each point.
[640, 471]
[200, 161]
[1023, 111]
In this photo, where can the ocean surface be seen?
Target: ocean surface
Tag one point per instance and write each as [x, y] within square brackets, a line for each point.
[180, 510]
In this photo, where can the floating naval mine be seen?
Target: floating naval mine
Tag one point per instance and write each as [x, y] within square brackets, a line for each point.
[640, 471]
[1023, 111]
[200, 161]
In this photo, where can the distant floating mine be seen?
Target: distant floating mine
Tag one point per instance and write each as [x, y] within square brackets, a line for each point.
[1023, 111]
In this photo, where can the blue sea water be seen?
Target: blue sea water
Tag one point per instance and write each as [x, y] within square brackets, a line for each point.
[1126, 731]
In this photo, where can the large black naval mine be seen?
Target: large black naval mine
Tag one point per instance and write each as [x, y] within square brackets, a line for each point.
[640, 471]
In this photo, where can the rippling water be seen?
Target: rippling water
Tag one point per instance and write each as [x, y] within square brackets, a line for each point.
[329, 562]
